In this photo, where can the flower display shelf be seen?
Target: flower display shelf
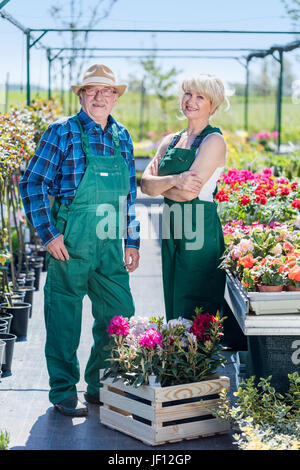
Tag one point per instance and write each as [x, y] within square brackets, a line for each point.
[156, 415]
[263, 313]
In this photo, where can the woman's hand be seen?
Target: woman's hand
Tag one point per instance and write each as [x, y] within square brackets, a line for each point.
[153, 167]
[188, 181]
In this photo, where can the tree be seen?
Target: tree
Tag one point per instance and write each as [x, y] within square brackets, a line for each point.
[292, 7]
[261, 84]
[161, 83]
[80, 16]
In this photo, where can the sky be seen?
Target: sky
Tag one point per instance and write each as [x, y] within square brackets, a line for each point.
[144, 14]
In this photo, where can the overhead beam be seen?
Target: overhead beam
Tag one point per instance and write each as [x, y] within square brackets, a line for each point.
[185, 31]
[2, 4]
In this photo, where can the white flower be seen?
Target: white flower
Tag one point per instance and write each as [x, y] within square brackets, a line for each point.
[277, 250]
[179, 321]
[297, 222]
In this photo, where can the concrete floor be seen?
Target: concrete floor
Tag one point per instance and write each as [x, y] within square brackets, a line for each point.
[26, 413]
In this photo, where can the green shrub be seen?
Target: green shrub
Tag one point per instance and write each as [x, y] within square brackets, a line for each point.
[265, 418]
[4, 440]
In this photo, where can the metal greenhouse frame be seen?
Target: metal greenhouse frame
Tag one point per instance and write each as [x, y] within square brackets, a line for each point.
[243, 60]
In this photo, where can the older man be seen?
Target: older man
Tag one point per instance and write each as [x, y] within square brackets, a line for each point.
[86, 162]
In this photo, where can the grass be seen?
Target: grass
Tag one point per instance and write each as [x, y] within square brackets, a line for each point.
[262, 114]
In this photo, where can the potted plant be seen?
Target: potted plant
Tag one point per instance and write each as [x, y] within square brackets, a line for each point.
[270, 277]
[183, 356]
[294, 278]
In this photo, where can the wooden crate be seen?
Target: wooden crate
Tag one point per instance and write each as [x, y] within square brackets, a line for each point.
[167, 414]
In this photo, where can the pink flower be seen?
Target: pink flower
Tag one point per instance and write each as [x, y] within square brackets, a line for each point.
[275, 134]
[150, 134]
[268, 172]
[245, 245]
[150, 338]
[118, 326]
[282, 181]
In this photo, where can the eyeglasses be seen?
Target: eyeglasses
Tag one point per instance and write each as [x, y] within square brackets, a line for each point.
[106, 92]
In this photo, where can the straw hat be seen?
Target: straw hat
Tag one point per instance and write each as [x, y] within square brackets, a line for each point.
[99, 75]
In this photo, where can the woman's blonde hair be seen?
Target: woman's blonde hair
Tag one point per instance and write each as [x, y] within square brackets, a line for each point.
[210, 86]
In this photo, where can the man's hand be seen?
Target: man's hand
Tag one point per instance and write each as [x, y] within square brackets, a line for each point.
[188, 181]
[57, 248]
[132, 257]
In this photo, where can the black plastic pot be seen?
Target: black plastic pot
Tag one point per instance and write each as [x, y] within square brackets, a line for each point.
[9, 340]
[29, 282]
[18, 296]
[3, 328]
[37, 272]
[7, 317]
[3, 323]
[28, 296]
[2, 354]
[19, 324]
[42, 253]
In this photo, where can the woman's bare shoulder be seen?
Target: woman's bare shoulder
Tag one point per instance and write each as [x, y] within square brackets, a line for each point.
[164, 144]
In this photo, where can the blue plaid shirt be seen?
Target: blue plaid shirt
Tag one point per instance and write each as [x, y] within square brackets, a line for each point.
[59, 165]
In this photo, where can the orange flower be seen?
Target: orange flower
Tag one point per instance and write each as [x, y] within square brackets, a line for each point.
[294, 274]
[247, 261]
[287, 246]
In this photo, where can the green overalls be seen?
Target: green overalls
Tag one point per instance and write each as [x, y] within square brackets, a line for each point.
[96, 268]
[192, 243]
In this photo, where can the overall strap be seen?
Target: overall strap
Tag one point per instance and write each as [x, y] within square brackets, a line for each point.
[115, 136]
[206, 131]
[84, 138]
[175, 139]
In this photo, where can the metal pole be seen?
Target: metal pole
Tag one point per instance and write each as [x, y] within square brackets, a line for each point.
[2, 4]
[6, 92]
[49, 73]
[62, 97]
[28, 66]
[70, 91]
[191, 31]
[246, 95]
[141, 131]
[279, 100]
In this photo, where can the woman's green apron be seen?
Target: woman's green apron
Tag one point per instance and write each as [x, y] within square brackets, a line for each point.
[192, 243]
[93, 227]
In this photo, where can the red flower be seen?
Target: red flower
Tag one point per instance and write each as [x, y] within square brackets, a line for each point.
[259, 191]
[261, 200]
[294, 185]
[284, 191]
[273, 193]
[221, 196]
[296, 203]
[200, 326]
[244, 200]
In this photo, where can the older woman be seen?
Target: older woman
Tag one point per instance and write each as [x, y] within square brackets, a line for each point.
[185, 171]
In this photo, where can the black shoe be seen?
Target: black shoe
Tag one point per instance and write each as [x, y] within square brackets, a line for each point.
[93, 399]
[72, 407]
